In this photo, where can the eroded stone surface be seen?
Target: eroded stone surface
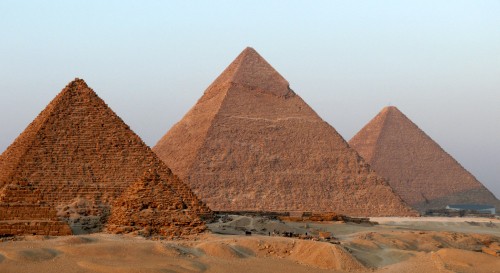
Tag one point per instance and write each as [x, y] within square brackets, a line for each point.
[22, 212]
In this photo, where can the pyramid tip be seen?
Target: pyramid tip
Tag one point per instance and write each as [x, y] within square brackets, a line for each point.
[390, 108]
[250, 69]
[77, 83]
[249, 48]
[250, 53]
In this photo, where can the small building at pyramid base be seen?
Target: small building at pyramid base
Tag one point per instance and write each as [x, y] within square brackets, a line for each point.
[149, 208]
[484, 209]
[23, 213]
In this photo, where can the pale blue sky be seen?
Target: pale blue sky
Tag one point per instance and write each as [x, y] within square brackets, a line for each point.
[437, 61]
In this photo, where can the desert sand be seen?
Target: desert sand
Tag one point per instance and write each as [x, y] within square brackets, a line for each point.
[394, 245]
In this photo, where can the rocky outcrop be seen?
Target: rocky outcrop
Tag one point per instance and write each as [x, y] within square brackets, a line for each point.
[418, 169]
[251, 143]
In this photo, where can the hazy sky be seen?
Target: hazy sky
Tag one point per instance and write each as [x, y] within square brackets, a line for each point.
[437, 61]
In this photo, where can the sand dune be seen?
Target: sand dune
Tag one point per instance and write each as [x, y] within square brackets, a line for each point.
[382, 248]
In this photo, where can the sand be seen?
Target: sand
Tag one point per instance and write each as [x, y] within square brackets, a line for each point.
[395, 245]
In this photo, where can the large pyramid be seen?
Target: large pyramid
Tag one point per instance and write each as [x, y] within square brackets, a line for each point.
[424, 175]
[251, 143]
[79, 149]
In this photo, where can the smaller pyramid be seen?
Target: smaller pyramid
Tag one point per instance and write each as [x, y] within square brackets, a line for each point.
[23, 213]
[149, 207]
[418, 169]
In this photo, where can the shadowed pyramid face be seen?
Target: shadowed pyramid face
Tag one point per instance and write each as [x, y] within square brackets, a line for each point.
[417, 167]
[79, 149]
[250, 143]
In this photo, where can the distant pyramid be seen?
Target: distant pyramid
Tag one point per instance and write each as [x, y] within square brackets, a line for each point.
[423, 174]
[250, 143]
[149, 207]
[78, 148]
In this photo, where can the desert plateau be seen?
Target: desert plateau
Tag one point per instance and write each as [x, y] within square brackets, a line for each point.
[395, 244]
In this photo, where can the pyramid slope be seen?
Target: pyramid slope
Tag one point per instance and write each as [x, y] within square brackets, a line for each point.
[150, 208]
[418, 169]
[262, 150]
[199, 119]
[79, 148]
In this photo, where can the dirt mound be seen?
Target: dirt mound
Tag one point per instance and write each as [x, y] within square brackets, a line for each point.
[377, 249]
[33, 255]
[223, 250]
[314, 254]
[78, 240]
[324, 255]
[250, 143]
[418, 169]
[459, 260]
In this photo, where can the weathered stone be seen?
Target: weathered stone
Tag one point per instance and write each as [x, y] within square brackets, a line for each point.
[28, 215]
[149, 207]
[251, 143]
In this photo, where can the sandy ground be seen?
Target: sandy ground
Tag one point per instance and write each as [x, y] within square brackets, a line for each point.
[395, 245]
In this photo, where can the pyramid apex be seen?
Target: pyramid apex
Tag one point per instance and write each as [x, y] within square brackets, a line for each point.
[390, 108]
[77, 84]
[249, 48]
[250, 69]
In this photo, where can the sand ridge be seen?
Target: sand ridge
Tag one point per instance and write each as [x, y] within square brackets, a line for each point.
[363, 248]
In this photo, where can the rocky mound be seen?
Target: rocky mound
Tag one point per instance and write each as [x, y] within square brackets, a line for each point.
[150, 208]
[79, 151]
[418, 169]
[251, 143]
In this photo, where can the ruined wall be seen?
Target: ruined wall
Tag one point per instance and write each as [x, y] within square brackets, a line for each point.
[23, 213]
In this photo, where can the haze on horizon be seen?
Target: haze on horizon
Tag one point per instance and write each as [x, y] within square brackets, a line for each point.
[437, 61]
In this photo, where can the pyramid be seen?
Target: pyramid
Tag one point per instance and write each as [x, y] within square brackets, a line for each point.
[79, 149]
[251, 144]
[23, 213]
[149, 207]
[418, 169]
